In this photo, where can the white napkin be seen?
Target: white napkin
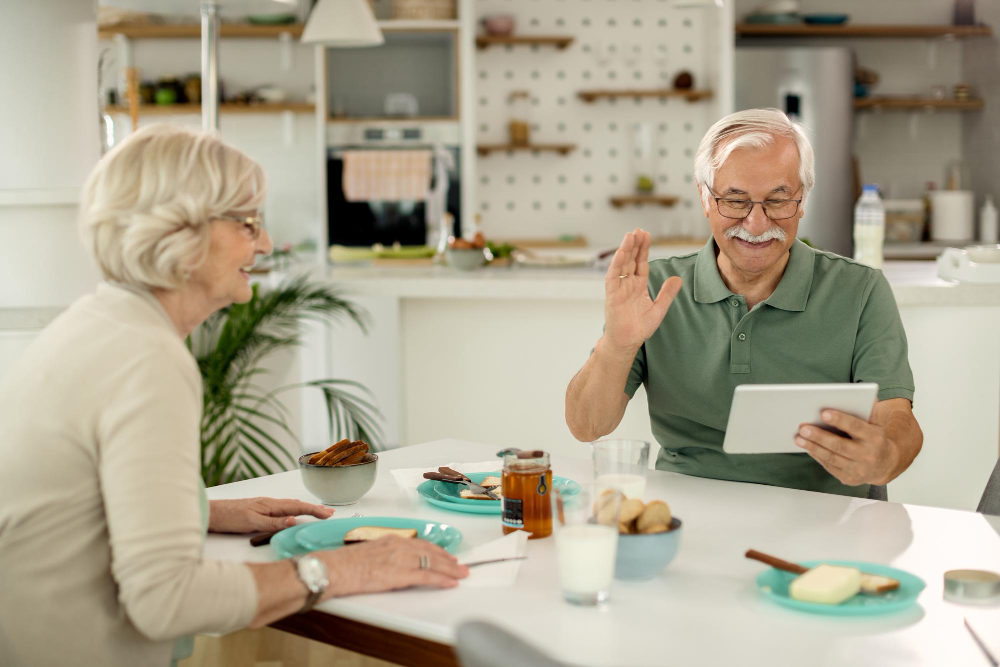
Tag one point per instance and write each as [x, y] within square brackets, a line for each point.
[410, 478]
[495, 575]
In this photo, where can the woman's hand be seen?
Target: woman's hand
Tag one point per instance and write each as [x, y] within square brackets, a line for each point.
[389, 563]
[255, 515]
[630, 316]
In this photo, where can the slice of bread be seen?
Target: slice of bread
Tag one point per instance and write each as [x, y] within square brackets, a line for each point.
[368, 533]
[491, 481]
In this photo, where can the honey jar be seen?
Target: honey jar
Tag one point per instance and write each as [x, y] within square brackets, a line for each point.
[527, 481]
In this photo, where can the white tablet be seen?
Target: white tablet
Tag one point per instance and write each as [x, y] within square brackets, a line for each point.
[764, 418]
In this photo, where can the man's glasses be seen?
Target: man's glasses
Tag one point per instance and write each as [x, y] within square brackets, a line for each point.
[738, 209]
[253, 224]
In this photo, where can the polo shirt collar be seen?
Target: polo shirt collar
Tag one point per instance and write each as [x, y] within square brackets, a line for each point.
[791, 294]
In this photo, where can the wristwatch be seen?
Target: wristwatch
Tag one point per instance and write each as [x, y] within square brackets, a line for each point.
[312, 573]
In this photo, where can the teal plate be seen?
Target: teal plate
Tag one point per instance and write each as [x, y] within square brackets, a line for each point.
[446, 494]
[774, 584]
[329, 534]
[284, 542]
[427, 492]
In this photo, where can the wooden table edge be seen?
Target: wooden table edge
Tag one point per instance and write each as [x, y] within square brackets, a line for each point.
[368, 640]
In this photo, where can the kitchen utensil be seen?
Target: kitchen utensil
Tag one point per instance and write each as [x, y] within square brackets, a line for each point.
[499, 25]
[339, 485]
[870, 583]
[494, 560]
[452, 479]
[979, 642]
[401, 104]
[265, 538]
[971, 586]
[825, 19]
[329, 534]
[644, 556]
[957, 264]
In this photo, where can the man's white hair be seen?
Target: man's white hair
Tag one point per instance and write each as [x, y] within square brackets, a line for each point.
[753, 128]
[147, 205]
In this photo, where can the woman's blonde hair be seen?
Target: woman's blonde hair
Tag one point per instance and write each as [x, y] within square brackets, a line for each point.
[146, 207]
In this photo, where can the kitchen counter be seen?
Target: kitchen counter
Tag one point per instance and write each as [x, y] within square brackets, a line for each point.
[914, 283]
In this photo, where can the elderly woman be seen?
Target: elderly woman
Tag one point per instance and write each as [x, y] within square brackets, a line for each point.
[102, 510]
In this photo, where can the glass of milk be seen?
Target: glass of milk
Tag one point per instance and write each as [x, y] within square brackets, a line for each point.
[585, 526]
[622, 465]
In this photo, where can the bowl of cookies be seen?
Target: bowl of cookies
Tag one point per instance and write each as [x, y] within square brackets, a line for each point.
[648, 539]
[340, 474]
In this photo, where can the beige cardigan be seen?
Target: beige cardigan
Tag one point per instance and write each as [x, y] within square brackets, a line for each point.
[100, 529]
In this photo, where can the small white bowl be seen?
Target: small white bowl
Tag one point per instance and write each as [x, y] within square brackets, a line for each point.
[984, 254]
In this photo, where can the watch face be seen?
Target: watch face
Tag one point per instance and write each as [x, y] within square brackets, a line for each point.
[312, 571]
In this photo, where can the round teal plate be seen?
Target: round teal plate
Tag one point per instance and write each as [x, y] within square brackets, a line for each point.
[774, 584]
[329, 534]
[284, 542]
[448, 495]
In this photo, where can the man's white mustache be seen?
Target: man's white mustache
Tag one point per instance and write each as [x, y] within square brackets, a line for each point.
[739, 232]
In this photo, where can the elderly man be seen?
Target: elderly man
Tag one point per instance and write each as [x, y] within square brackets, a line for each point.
[753, 306]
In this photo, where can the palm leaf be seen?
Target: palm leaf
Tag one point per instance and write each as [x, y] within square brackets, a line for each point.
[230, 348]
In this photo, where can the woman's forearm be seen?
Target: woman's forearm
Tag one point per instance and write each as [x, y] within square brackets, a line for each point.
[279, 591]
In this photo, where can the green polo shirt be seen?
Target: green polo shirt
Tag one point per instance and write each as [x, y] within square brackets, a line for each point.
[829, 320]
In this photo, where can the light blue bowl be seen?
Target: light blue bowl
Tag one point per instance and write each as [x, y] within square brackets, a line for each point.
[645, 556]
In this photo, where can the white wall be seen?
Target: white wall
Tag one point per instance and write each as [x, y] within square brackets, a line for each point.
[48, 144]
[617, 46]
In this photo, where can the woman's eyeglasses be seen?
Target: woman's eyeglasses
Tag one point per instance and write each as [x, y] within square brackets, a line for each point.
[253, 224]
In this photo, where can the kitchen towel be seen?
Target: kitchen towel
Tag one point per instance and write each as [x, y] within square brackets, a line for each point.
[410, 478]
[387, 175]
[495, 575]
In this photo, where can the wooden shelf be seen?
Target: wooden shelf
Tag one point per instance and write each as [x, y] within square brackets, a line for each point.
[182, 109]
[403, 120]
[562, 149]
[486, 41]
[416, 25]
[689, 95]
[641, 200]
[850, 30]
[903, 103]
[193, 31]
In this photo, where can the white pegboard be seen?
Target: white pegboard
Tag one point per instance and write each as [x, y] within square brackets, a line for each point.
[618, 44]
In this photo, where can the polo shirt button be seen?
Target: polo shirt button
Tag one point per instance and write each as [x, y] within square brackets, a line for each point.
[735, 303]
[742, 336]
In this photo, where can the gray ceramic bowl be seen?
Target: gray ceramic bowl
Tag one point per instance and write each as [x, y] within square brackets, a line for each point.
[465, 259]
[339, 485]
[645, 556]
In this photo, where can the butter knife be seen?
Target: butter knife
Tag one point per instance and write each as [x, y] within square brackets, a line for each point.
[495, 560]
[475, 488]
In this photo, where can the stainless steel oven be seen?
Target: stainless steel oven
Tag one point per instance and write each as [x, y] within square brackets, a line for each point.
[362, 223]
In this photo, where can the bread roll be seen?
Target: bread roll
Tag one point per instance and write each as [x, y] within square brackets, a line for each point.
[656, 513]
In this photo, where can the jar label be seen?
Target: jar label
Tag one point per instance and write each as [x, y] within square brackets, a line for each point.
[513, 512]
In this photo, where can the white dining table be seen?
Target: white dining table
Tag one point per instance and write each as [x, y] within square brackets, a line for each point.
[704, 609]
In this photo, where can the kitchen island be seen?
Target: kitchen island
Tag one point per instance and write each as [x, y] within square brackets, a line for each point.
[486, 356]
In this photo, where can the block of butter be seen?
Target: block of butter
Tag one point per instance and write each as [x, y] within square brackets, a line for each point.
[826, 584]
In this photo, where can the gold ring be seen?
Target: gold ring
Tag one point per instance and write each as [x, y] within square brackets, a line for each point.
[625, 276]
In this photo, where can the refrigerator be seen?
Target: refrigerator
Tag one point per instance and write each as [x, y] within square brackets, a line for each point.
[816, 86]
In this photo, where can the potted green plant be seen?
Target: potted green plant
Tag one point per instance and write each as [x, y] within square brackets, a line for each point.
[239, 417]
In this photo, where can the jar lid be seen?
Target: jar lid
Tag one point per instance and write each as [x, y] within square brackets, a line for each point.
[972, 586]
